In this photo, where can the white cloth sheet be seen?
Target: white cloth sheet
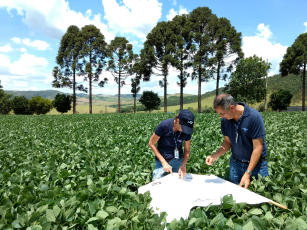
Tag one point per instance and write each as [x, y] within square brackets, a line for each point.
[177, 196]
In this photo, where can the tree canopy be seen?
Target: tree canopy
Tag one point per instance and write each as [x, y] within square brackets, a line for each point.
[295, 60]
[150, 100]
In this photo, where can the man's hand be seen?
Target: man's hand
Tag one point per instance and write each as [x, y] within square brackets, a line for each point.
[167, 167]
[182, 171]
[210, 159]
[245, 180]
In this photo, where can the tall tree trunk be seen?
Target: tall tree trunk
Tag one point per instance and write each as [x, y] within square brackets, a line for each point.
[303, 89]
[90, 98]
[165, 93]
[74, 93]
[199, 90]
[134, 108]
[118, 93]
[181, 90]
[217, 79]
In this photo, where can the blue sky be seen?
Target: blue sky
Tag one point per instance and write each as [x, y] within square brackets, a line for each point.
[31, 32]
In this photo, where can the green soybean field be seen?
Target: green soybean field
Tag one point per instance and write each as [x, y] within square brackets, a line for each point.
[83, 172]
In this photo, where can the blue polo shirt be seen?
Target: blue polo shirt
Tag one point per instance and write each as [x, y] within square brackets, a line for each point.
[168, 139]
[250, 126]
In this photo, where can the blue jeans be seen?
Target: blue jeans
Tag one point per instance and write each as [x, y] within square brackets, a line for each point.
[237, 170]
[159, 171]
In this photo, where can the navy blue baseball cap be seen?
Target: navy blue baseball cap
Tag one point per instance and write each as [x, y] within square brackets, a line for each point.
[186, 120]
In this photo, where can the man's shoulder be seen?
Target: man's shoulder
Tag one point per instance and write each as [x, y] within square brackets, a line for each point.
[166, 123]
[254, 114]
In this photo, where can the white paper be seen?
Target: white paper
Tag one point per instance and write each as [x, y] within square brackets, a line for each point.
[176, 197]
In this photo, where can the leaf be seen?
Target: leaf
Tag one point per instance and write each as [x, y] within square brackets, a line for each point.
[258, 223]
[102, 214]
[111, 209]
[16, 224]
[50, 215]
[255, 211]
[56, 210]
[218, 221]
[248, 226]
[114, 223]
[268, 216]
[227, 202]
[91, 227]
[92, 219]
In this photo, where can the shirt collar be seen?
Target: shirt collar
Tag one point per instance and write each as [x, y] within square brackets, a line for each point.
[246, 111]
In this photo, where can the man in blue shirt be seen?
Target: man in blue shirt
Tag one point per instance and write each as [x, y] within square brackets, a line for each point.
[170, 135]
[244, 133]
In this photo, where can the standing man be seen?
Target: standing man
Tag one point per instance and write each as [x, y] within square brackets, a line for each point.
[170, 135]
[244, 133]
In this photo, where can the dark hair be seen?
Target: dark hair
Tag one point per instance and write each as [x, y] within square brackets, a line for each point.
[224, 101]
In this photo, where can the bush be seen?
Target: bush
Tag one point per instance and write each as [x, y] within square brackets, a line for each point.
[207, 109]
[40, 105]
[20, 105]
[261, 107]
[280, 100]
[150, 100]
[5, 103]
[62, 103]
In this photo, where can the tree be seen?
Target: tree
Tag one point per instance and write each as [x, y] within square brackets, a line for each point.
[20, 105]
[226, 49]
[247, 83]
[150, 100]
[135, 82]
[40, 105]
[295, 60]
[68, 61]
[280, 100]
[201, 20]
[156, 51]
[5, 102]
[120, 56]
[181, 51]
[93, 53]
[62, 103]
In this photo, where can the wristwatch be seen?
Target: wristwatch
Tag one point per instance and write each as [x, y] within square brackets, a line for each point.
[249, 172]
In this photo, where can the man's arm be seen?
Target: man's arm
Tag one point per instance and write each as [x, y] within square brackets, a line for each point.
[152, 144]
[256, 154]
[222, 150]
[182, 169]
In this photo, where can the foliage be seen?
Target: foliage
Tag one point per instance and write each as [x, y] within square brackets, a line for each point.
[150, 100]
[156, 53]
[62, 103]
[247, 83]
[40, 105]
[120, 56]
[68, 59]
[5, 102]
[135, 88]
[20, 105]
[295, 61]
[182, 50]
[83, 172]
[280, 100]
[93, 54]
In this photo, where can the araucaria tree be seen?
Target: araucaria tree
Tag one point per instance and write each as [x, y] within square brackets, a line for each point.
[295, 60]
[226, 47]
[181, 52]
[156, 51]
[120, 56]
[247, 83]
[201, 22]
[68, 62]
[93, 54]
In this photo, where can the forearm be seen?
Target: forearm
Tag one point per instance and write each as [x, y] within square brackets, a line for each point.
[157, 153]
[225, 146]
[186, 157]
[256, 154]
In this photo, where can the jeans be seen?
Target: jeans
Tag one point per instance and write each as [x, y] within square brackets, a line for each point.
[159, 171]
[237, 170]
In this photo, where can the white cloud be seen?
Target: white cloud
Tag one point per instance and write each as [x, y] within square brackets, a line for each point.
[172, 13]
[305, 24]
[262, 46]
[37, 44]
[6, 48]
[132, 16]
[23, 50]
[53, 17]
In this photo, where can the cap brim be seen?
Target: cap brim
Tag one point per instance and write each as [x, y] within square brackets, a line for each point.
[187, 130]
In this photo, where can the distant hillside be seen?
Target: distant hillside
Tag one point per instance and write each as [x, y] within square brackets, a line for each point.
[50, 94]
